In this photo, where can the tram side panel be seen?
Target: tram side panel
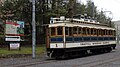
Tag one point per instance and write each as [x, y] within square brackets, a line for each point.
[90, 42]
[58, 48]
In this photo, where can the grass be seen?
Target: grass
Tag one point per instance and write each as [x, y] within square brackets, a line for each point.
[23, 50]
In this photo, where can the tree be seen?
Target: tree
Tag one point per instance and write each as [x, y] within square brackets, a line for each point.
[22, 10]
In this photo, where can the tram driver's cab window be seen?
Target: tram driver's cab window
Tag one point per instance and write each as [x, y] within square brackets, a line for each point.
[53, 31]
[59, 30]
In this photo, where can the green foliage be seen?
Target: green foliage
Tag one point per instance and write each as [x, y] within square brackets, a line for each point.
[22, 10]
[80, 8]
[24, 50]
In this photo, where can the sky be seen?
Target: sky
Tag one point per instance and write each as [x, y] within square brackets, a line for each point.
[108, 6]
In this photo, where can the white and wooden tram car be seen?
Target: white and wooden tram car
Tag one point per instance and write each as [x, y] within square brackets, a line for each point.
[70, 36]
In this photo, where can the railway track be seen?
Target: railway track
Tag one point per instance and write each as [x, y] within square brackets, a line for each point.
[86, 64]
[98, 62]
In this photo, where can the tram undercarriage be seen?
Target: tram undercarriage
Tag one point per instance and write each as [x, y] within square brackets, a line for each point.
[75, 52]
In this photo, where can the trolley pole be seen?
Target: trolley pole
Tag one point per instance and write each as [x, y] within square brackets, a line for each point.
[33, 29]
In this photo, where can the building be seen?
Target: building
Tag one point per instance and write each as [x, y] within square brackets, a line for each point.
[117, 24]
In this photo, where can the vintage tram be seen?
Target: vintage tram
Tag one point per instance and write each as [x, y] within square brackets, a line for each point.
[66, 37]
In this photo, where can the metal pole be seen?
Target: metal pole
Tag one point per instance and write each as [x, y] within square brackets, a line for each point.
[93, 9]
[33, 29]
[117, 35]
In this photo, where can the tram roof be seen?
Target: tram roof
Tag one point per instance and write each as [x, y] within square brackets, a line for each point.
[80, 25]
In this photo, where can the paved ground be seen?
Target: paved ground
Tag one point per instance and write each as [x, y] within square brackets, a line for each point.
[14, 62]
[111, 59]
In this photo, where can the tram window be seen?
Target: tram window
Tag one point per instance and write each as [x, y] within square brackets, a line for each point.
[70, 31]
[95, 32]
[84, 31]
[59, 30]
[75, 30]
[88, 31]
[114, 33]
[66, 31]
[111, 32]
[80, 31]
[52, 31]
[103, 32]
[108, 32]
[92, 31]
[99, 32]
